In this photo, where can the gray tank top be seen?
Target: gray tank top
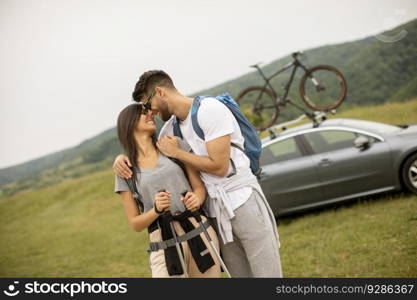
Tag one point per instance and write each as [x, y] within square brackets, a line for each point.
[166, 175]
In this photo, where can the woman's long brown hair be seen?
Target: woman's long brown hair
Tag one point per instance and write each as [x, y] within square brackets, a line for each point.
[126, 123]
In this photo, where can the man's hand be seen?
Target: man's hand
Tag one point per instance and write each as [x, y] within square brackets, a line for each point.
[216, 163]
[120, 166]
[168, 145]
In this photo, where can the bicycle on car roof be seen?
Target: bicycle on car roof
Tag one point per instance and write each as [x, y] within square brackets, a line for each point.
[322, 88]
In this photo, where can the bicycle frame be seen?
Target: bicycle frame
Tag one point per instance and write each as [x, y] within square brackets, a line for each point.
[295, 64]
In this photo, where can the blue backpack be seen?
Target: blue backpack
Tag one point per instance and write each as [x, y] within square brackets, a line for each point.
[252, 144]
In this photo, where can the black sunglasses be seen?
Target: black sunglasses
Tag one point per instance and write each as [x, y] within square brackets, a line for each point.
[146, 106]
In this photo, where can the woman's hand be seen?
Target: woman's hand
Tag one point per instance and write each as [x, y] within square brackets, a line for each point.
[162, 200]
[191, 201]
[120, 166]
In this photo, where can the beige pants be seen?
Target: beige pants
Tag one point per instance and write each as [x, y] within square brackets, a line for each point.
[157, 258]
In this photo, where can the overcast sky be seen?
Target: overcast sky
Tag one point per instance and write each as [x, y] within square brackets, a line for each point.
[67, 68]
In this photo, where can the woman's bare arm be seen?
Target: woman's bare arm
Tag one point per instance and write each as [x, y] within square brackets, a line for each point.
[139, 221]
[195, 199]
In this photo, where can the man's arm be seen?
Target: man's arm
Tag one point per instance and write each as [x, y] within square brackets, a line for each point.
[216, 163]
[195, 198]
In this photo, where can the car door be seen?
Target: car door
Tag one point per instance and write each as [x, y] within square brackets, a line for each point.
[345, 170]
[289, 176]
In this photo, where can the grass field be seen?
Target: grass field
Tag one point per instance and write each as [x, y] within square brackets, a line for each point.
[78, 229]
[376, 237]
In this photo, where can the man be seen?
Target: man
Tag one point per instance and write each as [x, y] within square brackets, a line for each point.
[246, 225]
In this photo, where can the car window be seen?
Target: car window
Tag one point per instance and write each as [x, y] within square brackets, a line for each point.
[280, 151]
[331, 140]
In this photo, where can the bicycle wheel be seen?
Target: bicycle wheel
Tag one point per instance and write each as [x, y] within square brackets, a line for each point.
[258, 105]
[323, 88]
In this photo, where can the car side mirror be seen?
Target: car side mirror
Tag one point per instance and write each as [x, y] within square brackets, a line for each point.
[362, 142]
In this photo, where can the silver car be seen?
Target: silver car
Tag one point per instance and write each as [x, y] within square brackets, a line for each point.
[306, 167]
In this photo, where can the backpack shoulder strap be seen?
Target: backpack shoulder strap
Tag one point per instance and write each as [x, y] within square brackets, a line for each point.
[131, 183]
[238, 147]
[194, 110]
[194, 120]
[176, 127]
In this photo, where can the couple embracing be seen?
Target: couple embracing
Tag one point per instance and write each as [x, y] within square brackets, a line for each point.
[199, 174]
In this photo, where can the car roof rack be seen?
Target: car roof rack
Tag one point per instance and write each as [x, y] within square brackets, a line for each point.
[317, 117]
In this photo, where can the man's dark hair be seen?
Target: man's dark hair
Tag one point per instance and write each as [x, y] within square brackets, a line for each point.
[148, 81]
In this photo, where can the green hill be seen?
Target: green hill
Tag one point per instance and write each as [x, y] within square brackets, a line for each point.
[91, 155]
[78, 228]
[376, 72]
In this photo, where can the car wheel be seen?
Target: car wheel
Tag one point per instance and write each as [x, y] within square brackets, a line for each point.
[409, 173]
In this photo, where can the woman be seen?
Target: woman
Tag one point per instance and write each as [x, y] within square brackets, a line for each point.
[165, 191]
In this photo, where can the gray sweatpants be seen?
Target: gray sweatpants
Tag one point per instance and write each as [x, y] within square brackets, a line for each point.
[254, 251]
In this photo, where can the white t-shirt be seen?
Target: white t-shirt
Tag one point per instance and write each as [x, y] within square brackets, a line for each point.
[216, 120]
